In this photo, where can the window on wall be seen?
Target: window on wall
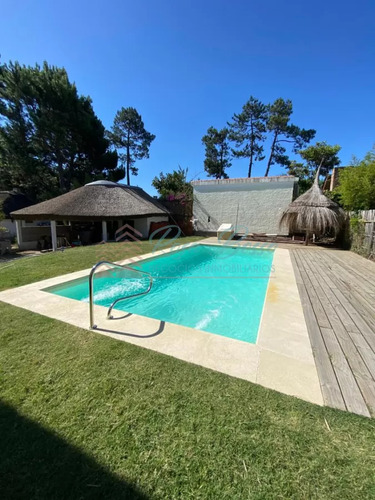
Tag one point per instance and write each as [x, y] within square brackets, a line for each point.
[44, 223]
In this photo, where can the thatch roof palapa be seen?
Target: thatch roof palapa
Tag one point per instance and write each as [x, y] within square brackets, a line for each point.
[98, 200]
[313, 213]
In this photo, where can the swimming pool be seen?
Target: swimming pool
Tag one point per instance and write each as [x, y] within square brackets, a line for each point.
[218, 289]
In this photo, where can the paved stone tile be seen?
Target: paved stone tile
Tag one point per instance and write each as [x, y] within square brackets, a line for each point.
[290, 376]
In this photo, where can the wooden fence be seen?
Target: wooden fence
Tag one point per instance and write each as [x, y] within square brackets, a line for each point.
[368, 216]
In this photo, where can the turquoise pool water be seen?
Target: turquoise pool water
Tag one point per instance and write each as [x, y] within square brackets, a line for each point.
[216, 289]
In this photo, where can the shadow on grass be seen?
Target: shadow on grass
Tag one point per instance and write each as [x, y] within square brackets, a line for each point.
[36, 464]
[9, 260]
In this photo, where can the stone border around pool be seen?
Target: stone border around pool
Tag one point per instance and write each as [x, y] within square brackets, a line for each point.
[281, 359]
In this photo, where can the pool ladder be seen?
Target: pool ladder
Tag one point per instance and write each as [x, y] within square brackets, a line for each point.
[91, 288]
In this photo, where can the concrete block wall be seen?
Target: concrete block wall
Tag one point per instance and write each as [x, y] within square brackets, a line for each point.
[253, 205]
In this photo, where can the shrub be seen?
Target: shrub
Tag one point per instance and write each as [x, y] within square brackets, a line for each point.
[357, 235]
[357, 185]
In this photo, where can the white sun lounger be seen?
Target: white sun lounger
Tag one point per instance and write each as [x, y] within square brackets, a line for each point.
[225, 232]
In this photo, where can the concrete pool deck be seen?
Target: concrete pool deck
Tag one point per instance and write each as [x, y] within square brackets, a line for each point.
[281, 359]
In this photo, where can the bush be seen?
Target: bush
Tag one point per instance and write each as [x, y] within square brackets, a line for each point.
[2, 214]
[357, 236]
[357, 185]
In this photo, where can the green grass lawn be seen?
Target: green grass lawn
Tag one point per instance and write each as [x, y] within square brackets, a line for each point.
[25, 270]
[85, 416]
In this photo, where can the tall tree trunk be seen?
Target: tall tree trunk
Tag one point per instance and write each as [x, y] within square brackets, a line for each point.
[271, 155]
[250, 165]
[128, 160]
[251, 149]
[221, 164]
[127, 168]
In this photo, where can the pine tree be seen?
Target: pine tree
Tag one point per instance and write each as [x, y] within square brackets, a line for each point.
[217, 152]
[282, 133]
[247, 130]
[128, 134]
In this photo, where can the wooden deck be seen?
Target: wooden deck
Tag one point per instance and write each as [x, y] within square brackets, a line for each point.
[337, 290]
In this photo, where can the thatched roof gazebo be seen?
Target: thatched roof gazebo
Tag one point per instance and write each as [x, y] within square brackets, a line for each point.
[313, 213]
[97, 202]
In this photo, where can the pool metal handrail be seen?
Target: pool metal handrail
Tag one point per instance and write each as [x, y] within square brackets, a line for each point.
[91, 288]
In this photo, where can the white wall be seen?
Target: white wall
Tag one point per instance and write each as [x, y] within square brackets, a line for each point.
[143, 225]
[10, 226]
[253, 205]
[31, 233]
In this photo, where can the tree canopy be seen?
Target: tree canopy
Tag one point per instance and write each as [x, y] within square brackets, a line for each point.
[356, 188]
[282, 132]
[257, 126]
[304, 173]
[173, 184]
[50, 138]
[247, 131]
[217, 152]
[129, 135]
[321, 155]
[318, 155]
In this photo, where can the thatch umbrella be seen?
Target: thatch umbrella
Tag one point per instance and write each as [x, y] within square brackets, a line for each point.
[313, 213]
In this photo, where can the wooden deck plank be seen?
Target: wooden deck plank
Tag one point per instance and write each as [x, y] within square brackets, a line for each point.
[357, 322]
[367, 312]
[336, 313]
[361, 373]
[353, 284]
[352, 288]
[351, 329]
[355, 319]
[365, 279]
[347, 280]
[362, 268]
[330, 388]
[331, 285]
[320, 314]
[365, 276]
[339, 316]
[353, 398]
[340, 347]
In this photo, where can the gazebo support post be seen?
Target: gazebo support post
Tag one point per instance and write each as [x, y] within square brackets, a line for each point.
[307, 238]
[104, 231]
[53, 235]
[19, 233]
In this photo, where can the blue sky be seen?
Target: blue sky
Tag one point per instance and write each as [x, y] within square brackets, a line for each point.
[186, 65]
